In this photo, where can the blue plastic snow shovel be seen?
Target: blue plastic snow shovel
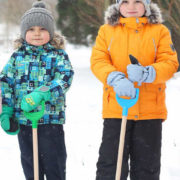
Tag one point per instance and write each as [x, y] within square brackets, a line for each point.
[125, 104]
[34, 118]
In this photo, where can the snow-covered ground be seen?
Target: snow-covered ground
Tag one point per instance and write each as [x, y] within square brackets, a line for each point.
[83, 128]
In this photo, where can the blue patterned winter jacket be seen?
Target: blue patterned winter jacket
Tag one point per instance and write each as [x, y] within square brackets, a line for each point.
[33, 66]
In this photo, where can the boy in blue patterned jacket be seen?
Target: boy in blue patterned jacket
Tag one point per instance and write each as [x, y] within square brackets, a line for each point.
[39, 70]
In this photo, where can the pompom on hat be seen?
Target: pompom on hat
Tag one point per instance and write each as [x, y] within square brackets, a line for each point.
[146, 5]
[38, 15]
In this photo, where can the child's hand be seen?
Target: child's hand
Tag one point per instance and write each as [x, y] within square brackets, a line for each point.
[138, 73]
[122, 86]
[32, 100]
[5, 123]
[9, 125]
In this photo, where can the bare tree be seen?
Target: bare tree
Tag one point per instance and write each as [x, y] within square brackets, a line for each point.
[171, 14]
[12, 10]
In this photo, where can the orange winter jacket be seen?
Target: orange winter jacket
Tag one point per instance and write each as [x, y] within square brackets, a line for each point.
[150, 42]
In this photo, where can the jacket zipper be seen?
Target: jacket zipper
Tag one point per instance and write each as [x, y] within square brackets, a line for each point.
[109, 47]
[154, 49]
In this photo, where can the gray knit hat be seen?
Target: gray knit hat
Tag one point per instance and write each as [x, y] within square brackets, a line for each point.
[38, 15]
[146, 4]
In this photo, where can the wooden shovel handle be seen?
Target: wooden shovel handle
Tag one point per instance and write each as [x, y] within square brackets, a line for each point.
[121, 147]
[35, 154]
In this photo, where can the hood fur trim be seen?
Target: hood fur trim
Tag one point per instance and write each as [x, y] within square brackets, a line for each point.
[112, 15]
[57, 42]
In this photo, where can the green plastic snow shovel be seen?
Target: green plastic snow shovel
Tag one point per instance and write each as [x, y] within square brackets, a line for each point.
[125, 104]
[34, 118]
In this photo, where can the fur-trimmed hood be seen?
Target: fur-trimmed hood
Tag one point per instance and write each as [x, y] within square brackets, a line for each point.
[112, 15]
[57, 42]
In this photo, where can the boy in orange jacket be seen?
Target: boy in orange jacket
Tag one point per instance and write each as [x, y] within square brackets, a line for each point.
[133, 27]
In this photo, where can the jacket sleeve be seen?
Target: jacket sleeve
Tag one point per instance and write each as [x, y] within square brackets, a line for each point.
[7, 78]
[166, 59]
[63, 75]
[101, 64]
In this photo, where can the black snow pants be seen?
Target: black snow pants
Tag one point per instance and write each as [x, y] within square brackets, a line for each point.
[52, 152]
[142, 150]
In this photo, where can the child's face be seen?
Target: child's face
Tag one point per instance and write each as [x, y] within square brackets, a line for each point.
[132, 8]
[37, 36]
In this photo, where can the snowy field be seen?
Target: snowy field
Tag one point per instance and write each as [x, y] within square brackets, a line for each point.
[83, 128]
